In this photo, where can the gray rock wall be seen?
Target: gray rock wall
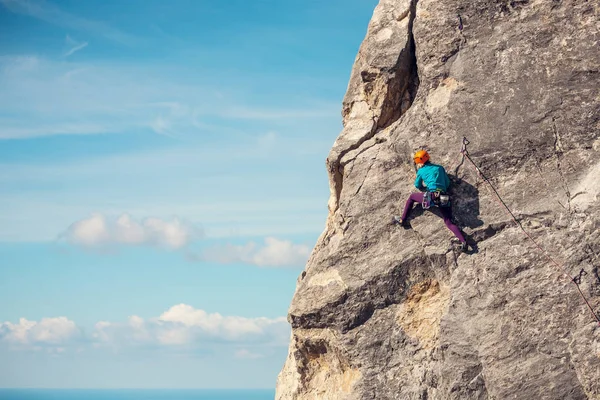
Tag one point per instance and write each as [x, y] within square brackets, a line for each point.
[386, 313]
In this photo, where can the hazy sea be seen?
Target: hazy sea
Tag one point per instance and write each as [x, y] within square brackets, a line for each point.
[134, 394]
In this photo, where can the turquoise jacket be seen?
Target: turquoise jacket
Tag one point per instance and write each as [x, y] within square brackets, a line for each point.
[431, 177]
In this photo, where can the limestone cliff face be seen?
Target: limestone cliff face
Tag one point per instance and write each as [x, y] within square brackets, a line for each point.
[386, 313]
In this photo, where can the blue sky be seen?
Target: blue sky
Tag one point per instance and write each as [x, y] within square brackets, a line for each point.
[162, 182]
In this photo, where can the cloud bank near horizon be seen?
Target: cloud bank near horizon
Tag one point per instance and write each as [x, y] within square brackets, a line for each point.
[181, 326]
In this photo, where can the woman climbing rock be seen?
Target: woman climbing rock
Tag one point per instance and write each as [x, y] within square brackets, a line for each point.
[433, 181]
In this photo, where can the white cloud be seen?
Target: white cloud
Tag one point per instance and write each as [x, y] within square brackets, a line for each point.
[216, 325]
[184, 325]
[180, 326]
[91, 231]
[47, 331]
[278, 253]
[274, 253]
[130, 333]
[73, 46]
[99, 230]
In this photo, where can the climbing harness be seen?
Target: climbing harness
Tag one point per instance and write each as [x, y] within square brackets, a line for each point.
[426, 203]
[435, 198]
[444, 200]
[577, 279]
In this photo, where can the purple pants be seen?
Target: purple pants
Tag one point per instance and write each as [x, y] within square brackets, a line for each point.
[446, 213]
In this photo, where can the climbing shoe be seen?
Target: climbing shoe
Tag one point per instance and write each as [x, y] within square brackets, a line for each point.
[396, 219]
[460, 246]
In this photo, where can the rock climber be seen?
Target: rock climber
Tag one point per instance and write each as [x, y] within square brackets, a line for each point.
[433, 181]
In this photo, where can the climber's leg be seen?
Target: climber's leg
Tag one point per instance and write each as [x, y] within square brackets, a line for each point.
[447, 214]
[414, 197]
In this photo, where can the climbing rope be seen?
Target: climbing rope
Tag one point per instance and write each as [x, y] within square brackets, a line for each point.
[575, 280]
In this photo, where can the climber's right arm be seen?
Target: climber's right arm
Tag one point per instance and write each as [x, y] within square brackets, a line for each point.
[419, 181]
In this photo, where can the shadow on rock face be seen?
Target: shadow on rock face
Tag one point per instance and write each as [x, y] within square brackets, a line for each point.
[465, 208]
[465, 203]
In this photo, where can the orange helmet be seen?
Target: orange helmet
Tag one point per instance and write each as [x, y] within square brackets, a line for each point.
[421, 157]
